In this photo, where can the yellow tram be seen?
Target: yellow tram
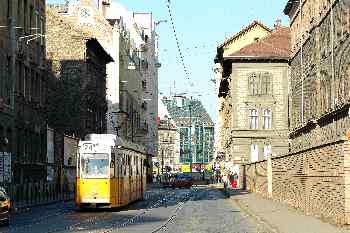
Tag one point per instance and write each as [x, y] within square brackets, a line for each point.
[110, 173]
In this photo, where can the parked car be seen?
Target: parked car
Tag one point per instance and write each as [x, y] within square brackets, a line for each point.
[5, 207]
[182, 181]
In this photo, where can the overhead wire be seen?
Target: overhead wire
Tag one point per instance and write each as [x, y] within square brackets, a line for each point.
[181, 53]
[182, 61]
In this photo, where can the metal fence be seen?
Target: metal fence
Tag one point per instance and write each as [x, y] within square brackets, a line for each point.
[31, 194]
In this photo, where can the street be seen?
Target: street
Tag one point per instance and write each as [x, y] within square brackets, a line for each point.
[200, 209]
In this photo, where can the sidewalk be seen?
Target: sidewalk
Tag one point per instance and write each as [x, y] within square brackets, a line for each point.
[279, 217]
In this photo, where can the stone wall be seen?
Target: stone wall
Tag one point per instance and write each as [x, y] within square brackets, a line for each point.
[256, 177]
[314, 180]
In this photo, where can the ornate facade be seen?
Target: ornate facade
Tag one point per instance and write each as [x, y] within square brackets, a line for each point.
[254, 95]
[320, 66]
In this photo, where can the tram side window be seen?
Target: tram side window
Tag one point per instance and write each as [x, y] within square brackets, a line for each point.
[112, 165]
[124, 164]
[137, 166]
[120, 165]
[78, 165]
[130, 166]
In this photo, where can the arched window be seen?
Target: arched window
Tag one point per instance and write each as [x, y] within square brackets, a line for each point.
[253, 119]
[267, 119]
[254, 153]
[267, 150]
[343, 88]
[326, 95]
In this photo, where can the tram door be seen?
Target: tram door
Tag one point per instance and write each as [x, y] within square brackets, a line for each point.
[113, 180]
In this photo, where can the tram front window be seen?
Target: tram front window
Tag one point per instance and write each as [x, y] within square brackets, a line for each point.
[95, 166]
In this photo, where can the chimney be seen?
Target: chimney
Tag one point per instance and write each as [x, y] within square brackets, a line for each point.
[278, 24]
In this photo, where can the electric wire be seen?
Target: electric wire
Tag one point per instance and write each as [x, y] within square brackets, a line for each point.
[177, 41]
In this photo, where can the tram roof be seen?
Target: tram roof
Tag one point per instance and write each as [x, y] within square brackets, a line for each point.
[115, 140]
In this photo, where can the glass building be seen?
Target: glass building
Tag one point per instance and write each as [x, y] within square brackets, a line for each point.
[195, 127]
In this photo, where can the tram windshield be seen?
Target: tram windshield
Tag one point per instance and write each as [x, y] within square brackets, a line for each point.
[95, 166]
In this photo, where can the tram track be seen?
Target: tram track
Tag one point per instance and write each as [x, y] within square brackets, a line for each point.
[70, 212]
[97, 218]
[175, 213]
[128, 221]
[114, 222]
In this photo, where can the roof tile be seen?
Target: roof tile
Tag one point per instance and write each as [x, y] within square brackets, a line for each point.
[277, 45]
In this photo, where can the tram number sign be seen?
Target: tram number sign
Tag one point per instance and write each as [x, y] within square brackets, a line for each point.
[88, 147]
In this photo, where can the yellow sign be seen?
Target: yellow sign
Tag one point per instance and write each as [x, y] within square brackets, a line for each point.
[185, 168]
[208, 167]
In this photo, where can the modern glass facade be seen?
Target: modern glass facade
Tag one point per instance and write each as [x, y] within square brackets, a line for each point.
[190, 116]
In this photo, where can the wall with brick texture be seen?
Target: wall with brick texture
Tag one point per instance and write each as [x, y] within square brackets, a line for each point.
[315, 181]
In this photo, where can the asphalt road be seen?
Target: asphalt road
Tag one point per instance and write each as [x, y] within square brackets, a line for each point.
[200, 209]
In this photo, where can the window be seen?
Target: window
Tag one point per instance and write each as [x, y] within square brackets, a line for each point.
[259, 83]
[8, 81]
[265, 84]
[41, 32]
[267, 150]
[25, 82]
[253, 84]
[253, 119]
[254, 153]
[37, 21]
[144, 84]
[25, 15]
[267, 119]
[9, 8]
[19, 21]
[31, 12]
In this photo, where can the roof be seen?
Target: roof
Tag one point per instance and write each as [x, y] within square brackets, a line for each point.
[289, 6]
[182, 115]
[277, 45]
[96, 44]
[243, 31]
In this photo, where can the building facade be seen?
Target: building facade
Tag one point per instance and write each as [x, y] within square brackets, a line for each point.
[23, 88]
[246, 36]
[77, 87]
[195, 129]
[168, 146]
[319, 106]
[149, 69]
[254, 92]
[131, 79]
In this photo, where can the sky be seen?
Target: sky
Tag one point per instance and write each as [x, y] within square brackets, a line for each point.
[200, 26]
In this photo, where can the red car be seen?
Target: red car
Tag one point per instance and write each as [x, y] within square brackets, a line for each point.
[181, 181]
